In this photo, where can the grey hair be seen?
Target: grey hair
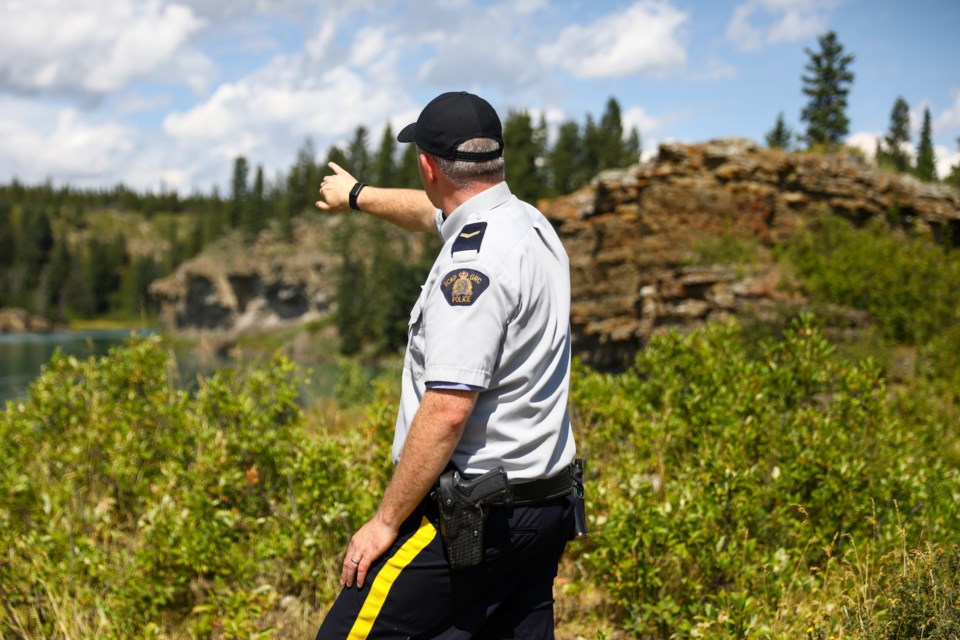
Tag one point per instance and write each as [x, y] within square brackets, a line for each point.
[462, 173]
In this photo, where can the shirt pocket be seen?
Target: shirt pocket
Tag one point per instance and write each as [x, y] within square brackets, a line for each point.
[415, 342]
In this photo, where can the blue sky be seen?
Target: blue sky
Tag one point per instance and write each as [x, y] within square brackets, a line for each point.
[169, 92]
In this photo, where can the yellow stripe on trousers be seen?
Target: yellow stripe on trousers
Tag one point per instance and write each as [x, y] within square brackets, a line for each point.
[387, 576]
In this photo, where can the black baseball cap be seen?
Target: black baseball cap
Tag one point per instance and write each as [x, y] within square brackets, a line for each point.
[451, 119]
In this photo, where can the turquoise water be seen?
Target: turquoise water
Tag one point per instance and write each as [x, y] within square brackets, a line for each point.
[22, 355]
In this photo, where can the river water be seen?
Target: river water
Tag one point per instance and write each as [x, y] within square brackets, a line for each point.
[23, 355]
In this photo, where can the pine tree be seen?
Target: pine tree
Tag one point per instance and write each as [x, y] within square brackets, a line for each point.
[522, 170]
[408, 174]
[7, 248]
[565, 159]
[254, 211]
[7, 239]
[632, 148]
[303, 181]
[926, 160]
[53, 283]
[827, 87]
[611, 150]
[33, 246]
[892, 154]
[238, 192]
[358, 152]
[592, 151]
[781, 136]
[384, 170]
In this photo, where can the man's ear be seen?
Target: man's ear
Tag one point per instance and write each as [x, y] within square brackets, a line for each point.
[428, 168]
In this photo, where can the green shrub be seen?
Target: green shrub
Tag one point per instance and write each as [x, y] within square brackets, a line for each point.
[923, 601]
[910, 285]
[738, 479]
[132, 508]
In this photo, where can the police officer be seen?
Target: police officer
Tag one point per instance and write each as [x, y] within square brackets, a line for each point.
[484, 386]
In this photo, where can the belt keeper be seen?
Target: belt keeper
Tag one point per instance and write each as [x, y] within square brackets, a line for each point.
[353, 195]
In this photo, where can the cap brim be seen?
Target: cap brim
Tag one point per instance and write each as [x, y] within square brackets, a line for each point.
[407, 133]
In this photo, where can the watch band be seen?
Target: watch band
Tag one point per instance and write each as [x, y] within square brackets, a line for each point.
[353, 195]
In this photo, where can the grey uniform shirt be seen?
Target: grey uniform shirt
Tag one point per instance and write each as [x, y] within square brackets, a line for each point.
[494, 314]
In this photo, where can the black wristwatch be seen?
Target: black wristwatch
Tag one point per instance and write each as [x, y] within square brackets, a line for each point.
[353, 195]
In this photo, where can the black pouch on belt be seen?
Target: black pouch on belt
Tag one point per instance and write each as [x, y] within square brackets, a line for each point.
[462, 513]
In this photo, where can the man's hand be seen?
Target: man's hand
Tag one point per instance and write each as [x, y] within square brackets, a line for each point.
[335, 190]
[367, 545]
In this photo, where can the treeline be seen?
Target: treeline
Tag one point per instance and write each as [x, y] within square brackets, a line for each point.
[827, 83]
[60, 259]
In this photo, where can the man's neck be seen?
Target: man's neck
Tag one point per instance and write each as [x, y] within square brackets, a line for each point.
[452, 199]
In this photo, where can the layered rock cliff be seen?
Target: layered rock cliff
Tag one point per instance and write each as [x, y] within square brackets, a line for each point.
[636, 236]
[636, 239]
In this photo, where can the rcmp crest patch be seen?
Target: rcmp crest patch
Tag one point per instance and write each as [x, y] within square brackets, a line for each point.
[462, 287]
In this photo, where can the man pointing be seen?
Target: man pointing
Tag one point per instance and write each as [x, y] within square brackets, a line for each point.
[470, 529]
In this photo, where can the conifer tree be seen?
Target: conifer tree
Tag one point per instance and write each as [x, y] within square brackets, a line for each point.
[33, 246]
[53, 283]
[408, 175]
[632, 148]
[303, 180]
[610, 151]
[897, 136]
[592, 151]
[565, 159]
[255, 208]
[522, 170]
[926, 160]
[384, 169]
[827, 86]
[238, 191]
[781, 136]
[358, 152]
[7, 248]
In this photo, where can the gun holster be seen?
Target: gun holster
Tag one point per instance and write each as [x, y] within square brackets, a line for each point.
[463, 511]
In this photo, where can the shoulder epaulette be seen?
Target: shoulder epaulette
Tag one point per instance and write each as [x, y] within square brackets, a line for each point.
[469, 239]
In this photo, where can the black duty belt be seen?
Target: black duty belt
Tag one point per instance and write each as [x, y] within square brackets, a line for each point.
[537, 490]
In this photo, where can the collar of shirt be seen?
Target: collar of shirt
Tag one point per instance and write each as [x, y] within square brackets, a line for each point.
[483, 201]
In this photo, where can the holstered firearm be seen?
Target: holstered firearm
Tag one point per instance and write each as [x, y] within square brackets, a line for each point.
[462, 513]
[579, 509]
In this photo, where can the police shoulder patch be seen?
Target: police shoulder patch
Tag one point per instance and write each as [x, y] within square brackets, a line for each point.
[470, 237]
[462, 287]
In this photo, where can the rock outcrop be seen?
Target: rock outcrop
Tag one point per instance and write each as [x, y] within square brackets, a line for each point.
[234, 290]
[635, 236]
[15, 320]
[636, 239]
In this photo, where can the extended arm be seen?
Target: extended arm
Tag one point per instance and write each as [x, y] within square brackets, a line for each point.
[434, 434]
[407, 208]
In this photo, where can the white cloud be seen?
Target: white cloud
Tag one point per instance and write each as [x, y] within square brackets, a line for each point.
[643, 39]
[865, 141]
[761, 22]
[950, 118]
[97, 46]
[42, 142]
[946, 160]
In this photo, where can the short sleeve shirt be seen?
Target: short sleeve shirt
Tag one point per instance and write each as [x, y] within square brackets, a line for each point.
[494, 313]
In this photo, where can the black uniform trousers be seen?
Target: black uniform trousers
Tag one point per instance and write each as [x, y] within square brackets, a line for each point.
[411, 592]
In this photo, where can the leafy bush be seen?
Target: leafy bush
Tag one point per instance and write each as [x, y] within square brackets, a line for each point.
[737, 480]
[924, 600]
[735, 489]
[910, 285]
[146, 508]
